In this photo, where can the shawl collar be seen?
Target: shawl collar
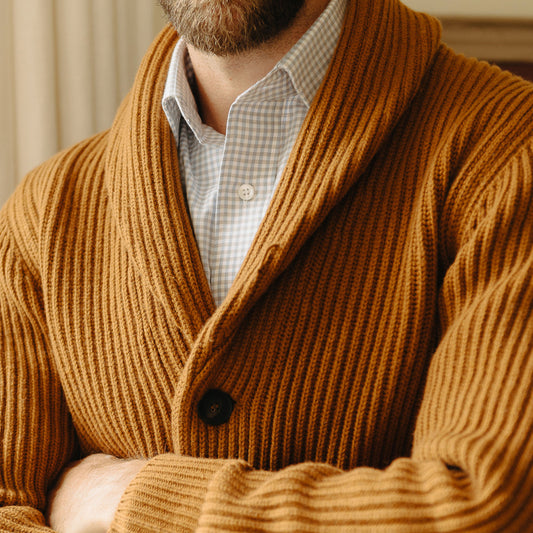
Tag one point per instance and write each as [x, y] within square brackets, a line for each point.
[147, 203]
[383, 53]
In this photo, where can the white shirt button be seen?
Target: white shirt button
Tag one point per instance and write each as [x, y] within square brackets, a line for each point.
[246, 192]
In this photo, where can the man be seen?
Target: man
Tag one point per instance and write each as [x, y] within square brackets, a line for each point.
[327, 331]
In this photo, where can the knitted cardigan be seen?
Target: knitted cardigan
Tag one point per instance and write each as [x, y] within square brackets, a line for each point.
[376, 342]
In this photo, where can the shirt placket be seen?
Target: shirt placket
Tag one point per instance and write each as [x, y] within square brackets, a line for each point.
[248, 175]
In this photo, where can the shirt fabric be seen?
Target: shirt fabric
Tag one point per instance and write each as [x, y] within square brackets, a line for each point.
[229, 179]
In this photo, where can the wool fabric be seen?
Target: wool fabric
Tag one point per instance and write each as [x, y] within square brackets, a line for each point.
[376, 341]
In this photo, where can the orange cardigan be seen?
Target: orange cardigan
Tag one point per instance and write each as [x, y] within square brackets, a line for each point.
[372, 361]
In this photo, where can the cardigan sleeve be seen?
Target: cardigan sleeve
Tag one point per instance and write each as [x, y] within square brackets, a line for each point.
[471, 466]
[36, 434]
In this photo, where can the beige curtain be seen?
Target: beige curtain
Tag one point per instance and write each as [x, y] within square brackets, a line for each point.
[66, 64]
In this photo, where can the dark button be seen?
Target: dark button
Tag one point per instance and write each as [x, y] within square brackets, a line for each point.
[215, 407]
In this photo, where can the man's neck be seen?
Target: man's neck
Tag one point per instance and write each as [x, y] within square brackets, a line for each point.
[220, 80]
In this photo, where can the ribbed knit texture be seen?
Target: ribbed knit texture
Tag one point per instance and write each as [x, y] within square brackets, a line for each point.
[377, 340]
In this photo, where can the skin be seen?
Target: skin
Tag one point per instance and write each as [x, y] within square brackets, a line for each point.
[88, 492]
[220, 79]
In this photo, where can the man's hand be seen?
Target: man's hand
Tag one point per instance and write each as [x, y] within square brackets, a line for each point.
[88, 492]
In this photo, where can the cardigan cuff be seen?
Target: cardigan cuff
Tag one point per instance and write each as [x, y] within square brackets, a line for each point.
[166, 495]
[171, 493]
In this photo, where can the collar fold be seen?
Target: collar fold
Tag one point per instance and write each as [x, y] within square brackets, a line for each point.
[383, 52]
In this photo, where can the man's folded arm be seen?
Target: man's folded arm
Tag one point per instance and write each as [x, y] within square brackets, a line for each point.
[471, 463]
[37, 436]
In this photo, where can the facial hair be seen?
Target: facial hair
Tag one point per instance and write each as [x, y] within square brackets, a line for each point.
[230, 27]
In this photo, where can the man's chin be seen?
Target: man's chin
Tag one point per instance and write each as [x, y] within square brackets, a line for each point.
[227, 28]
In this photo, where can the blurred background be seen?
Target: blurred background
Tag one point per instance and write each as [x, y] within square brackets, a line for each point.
[66, 64]
[474, 8]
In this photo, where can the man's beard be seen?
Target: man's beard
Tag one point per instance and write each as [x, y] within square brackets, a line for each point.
[228, 27]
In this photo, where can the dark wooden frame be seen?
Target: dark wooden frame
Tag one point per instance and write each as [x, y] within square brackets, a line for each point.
[507, 42]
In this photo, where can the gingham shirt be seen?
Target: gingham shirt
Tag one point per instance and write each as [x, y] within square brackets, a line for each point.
[229, 179]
